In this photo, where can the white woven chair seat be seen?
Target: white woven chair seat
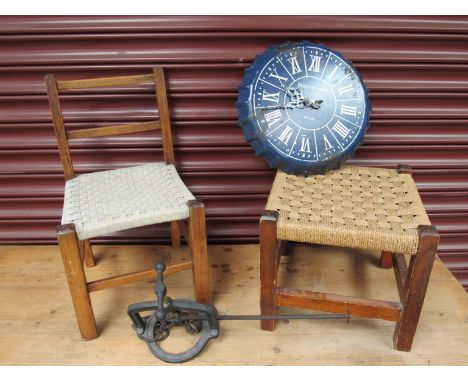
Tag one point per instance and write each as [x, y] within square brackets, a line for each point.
[103, 202]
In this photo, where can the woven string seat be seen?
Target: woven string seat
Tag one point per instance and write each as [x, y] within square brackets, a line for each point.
[103, 202]
[360, 207]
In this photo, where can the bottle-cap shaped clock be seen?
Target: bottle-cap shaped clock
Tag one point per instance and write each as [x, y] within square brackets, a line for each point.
[303, 107]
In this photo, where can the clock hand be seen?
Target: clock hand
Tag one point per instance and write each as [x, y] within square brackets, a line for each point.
[294, 95]
[299, 103]
[289, 105]
[289, 91]
[271, 107]
[295, 104]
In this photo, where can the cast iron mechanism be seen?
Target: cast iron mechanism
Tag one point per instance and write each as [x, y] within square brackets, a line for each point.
[168, 313]
[195, 317]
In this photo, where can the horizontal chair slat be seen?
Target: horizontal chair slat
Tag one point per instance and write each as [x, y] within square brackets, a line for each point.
[113, 130]
[103, 82]
[132, 277]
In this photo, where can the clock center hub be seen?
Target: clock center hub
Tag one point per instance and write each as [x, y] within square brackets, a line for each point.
[314, 103]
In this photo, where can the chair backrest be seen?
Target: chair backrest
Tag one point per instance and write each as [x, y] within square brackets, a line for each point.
[54, 86]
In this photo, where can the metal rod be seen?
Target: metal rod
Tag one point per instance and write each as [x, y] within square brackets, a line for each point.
[257, 317]
[252, 317]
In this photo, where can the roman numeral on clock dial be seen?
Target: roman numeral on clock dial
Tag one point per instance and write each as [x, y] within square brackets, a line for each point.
[315, 64]
[341, 129]
[345, 89]
[274, 73]
[349, 110]
[330, 76]
[305, 144]
[328, 145]
[273, 117]
[272, 97]
[285, 135]
[295, 68]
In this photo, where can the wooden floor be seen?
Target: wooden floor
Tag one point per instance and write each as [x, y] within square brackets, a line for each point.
[37, 324]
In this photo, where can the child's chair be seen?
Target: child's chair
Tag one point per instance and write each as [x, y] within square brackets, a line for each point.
[103, 202]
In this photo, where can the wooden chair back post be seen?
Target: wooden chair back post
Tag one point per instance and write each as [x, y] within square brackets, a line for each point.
[157, 77]
[161, 96]
[59, 126]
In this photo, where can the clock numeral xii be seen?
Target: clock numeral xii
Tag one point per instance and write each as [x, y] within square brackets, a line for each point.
[315, 64]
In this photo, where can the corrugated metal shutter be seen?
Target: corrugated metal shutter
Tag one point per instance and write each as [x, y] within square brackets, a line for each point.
[415, 67]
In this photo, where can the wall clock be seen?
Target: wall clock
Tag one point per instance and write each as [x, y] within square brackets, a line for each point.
[303, 107]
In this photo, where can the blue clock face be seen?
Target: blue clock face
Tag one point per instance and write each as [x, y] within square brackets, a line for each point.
[303, 107]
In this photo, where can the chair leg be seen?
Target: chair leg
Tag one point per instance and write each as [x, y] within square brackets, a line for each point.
[198, 247]
[69, 247]
[88, 254]
[386, 260]
[268, 245]
[416, 286]
[175, 234]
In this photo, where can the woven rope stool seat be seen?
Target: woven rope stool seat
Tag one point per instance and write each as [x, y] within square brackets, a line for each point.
[103, 202]
[361, 207]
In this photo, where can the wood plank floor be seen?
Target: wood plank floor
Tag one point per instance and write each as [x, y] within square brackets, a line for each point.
[37, 324]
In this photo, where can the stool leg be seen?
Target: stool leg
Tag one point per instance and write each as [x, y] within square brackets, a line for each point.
[198, 247]
[88, 254]
[416, 286]
[386, 260]
[69, 247]
[175, 234]
[268, 245]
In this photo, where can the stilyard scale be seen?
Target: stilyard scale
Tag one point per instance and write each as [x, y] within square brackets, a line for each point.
[195, 317]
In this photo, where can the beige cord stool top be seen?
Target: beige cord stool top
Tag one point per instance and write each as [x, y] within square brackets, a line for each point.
[361, 207]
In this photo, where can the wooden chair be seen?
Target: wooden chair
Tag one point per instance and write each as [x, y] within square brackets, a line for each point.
[103, 202]
[359, 207]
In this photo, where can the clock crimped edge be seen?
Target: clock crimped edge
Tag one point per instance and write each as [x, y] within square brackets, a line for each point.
[257, 139]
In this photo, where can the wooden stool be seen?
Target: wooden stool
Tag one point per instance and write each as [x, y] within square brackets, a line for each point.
[359, 207]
